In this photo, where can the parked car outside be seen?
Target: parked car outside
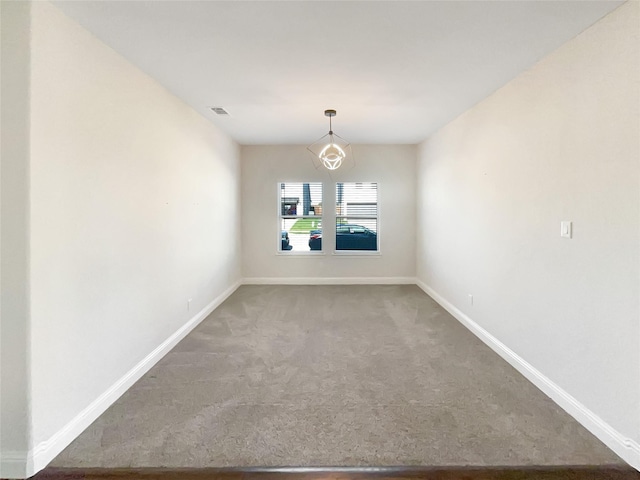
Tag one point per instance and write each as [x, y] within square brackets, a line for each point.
[348, 237]
[285, 241]
[315, 239]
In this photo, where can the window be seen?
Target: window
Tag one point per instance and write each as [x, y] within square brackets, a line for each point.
[300, 216]
[357, 216]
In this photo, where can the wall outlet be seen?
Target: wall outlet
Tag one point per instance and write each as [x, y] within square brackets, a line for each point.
[470, 299]
[189, 304]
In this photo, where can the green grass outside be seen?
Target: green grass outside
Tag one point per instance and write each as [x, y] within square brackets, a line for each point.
[305, 225]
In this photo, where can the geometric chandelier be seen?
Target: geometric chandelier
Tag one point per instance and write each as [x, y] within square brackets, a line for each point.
[331, 150]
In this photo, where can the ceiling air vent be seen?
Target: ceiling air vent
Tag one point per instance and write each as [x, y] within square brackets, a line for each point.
[219, 111]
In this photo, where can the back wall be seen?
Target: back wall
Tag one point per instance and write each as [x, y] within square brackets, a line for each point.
[392, 166]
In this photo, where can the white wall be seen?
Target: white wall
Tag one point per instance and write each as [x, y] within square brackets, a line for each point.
[133, 199]
[392, 166]
[14, 245]
[560, 142]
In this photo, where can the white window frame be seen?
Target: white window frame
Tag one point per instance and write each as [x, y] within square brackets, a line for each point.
[358, 253]
[296, 253]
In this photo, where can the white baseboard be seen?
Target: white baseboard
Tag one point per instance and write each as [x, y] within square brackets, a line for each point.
[626, 448]
[329, 281]
[46, 451]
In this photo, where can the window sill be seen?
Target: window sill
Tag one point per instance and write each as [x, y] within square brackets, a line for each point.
[291, 253]
[356, 253]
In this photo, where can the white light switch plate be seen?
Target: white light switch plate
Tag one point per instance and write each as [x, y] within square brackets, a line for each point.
[565, 229]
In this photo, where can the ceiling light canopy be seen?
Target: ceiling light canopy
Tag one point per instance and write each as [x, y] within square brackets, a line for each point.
[331, 150]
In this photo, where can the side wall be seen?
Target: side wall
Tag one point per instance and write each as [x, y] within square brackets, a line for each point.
[560, 142]
[14, 241]
[134, 202]
[392, 166]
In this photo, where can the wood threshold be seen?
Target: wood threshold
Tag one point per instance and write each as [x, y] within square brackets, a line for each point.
[603, 472]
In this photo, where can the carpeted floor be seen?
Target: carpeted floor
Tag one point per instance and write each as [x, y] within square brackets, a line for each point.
[333, 376]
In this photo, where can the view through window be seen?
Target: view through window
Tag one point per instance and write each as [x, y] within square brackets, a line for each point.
[300, 216]
[357, 216]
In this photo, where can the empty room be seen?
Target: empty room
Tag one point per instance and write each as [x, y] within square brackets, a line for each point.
[320, 239]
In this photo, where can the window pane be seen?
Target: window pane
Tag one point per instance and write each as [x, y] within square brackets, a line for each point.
[357, 216]
[301, 216]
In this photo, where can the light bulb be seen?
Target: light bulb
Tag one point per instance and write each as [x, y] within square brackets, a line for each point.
[332, 156]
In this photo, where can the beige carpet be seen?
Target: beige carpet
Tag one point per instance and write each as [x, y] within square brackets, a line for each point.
[333, 376]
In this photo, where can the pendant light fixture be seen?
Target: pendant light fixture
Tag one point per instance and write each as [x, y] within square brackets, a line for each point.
[331, 150]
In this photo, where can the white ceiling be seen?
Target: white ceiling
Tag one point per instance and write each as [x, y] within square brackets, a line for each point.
[395, 71]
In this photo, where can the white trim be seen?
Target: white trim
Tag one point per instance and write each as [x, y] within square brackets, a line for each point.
[299, 253]
[329, 281]
[47, 450]
[356, 253]
[626, 448]
[14, 464]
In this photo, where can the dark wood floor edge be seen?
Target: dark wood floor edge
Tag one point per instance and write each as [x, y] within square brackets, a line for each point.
[357, 469]
[391, 472]
[425, 468]
[468, 472]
